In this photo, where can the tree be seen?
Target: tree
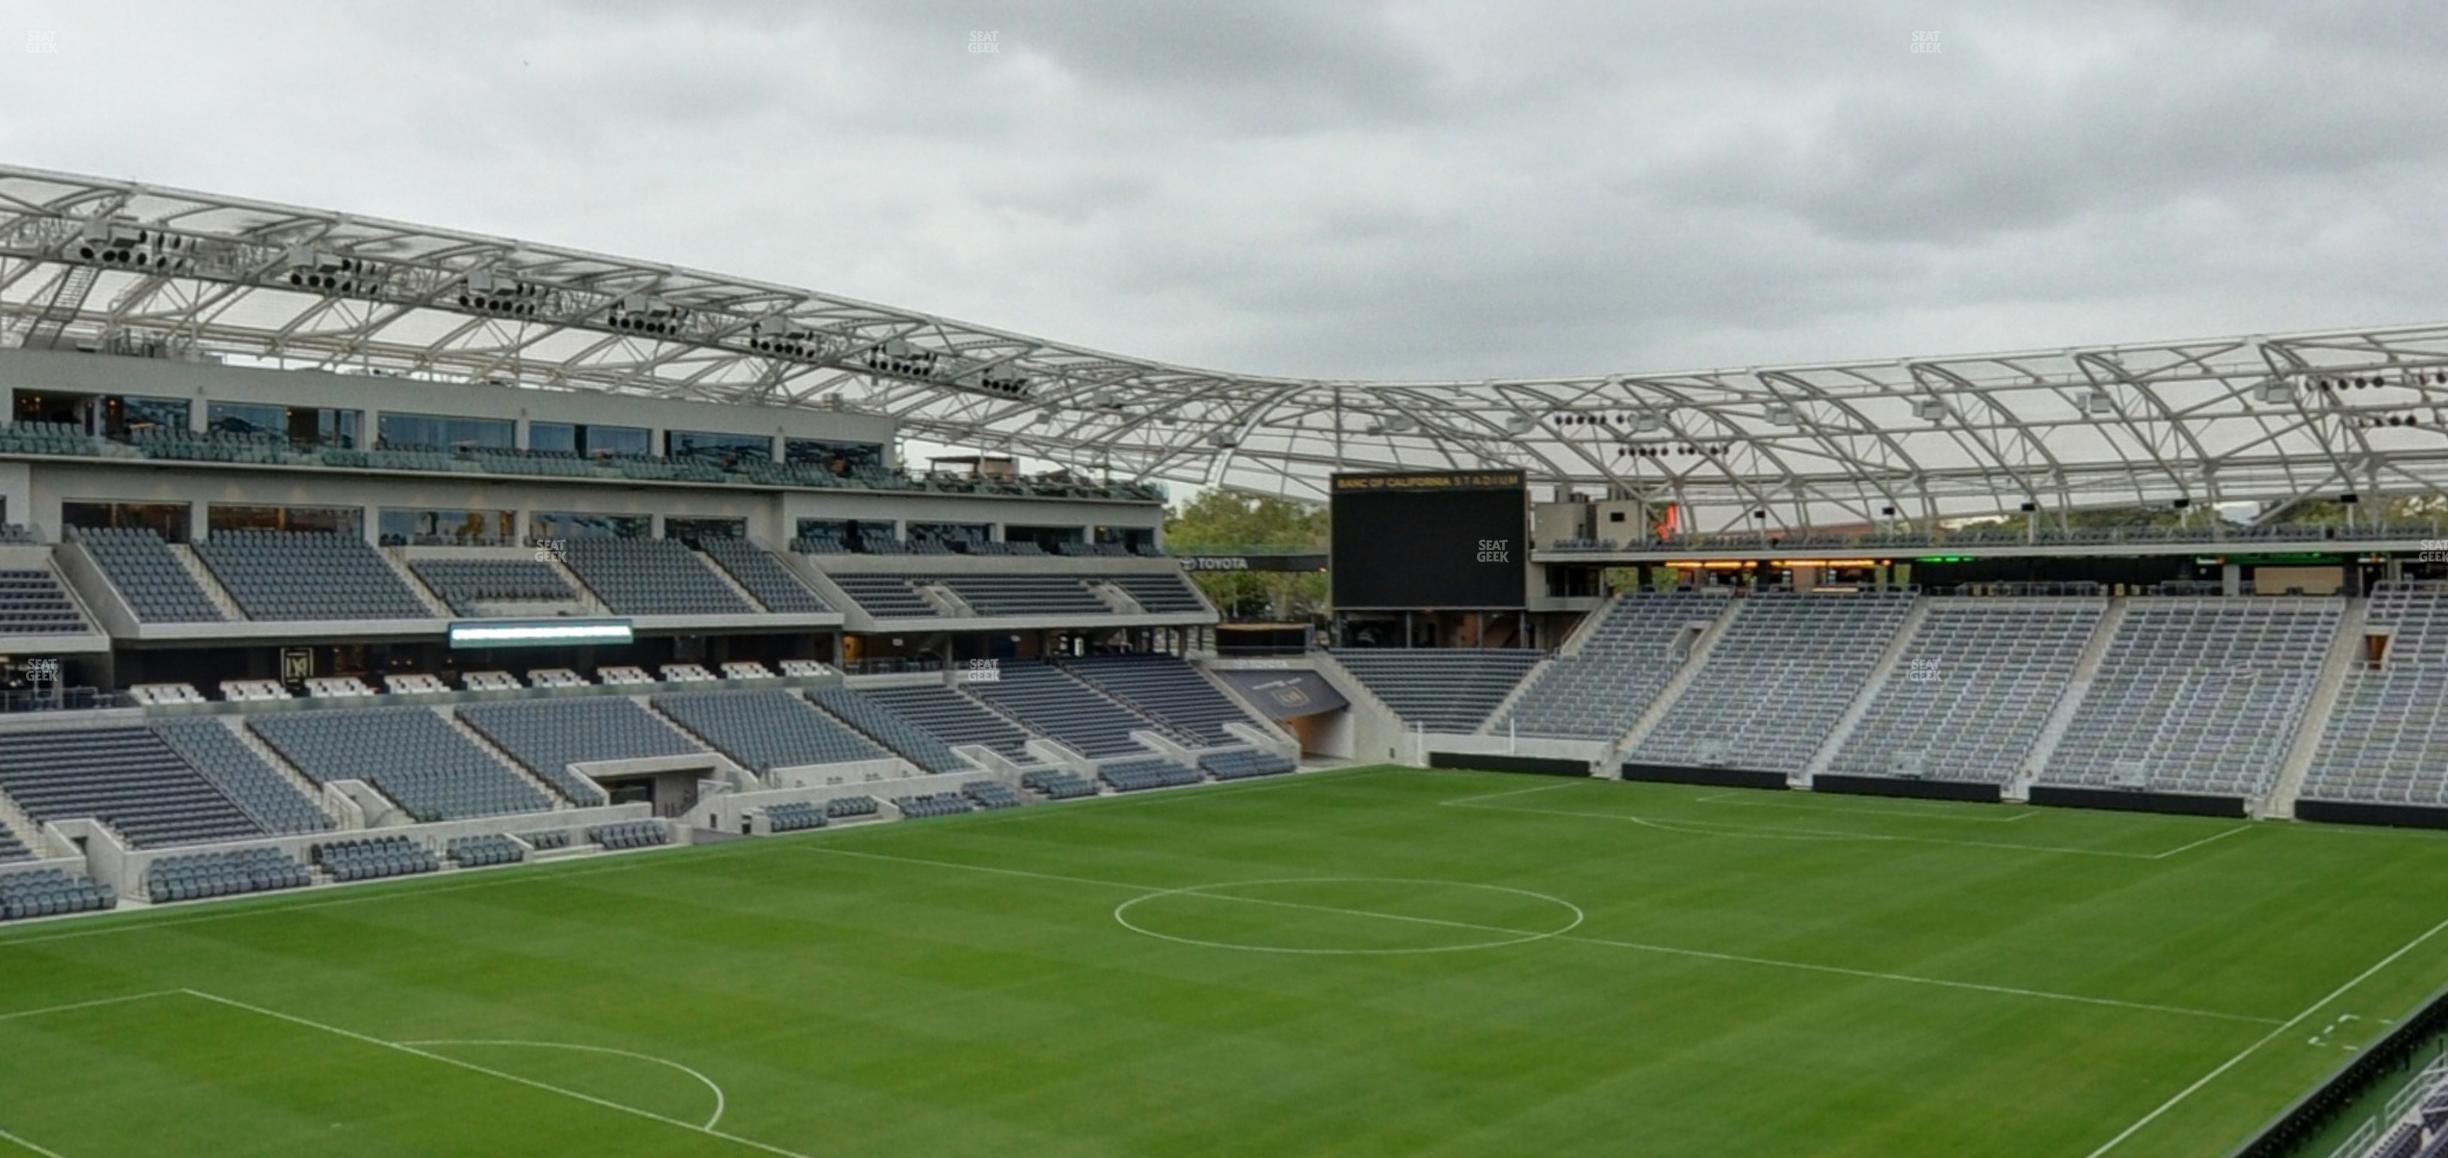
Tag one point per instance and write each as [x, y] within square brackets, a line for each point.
[1226, 522]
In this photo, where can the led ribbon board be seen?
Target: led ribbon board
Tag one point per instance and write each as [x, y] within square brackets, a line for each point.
[539, 632]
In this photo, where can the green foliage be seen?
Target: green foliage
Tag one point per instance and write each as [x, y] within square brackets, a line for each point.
[1224, 521]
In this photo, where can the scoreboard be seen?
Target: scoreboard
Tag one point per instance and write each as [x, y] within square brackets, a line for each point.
[1431, 540]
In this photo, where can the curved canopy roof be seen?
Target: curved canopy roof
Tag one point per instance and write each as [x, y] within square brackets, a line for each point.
[91, 261]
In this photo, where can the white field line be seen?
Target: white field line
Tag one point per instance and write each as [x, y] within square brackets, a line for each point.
[509, 875]
[93, 1004]
[1716, 828]
[2273, 1035]
[46, 1152]
[488, 1071]
[720, 1102]
[1667, 950]
[1736, 800]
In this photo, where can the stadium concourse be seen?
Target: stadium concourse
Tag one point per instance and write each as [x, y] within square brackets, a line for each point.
[556, 556]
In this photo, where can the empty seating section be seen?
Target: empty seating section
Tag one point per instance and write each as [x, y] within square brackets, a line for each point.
[484, 851]
[1439, 689]
[631, 834]
[11, 848]
[16, 535]
[157, 587]
[32, 602]
[125, 777]
[1972, 690]
[547, 736]
[555, 677]
[261, 790]
[489, 681]
[765, 730]
[745, 669]
[793, 816]
[1024, 594]
[409, 754]
[374, 858]
[50, 893]
[2387, 737]
[687, 673]
[1166, 688]
[546, 840]
[887, 727]
[1160, 594]
[764, 576]
[467, 585]
[253, 691]
[414, 683]
[1245, 765]
[931, 804]
[1780, 676]
[885, 596]
[650, 577]
[2198, 695]
[1137, 775]
[851, 807]
[1056, 784]
[1624, 661]
[991, 794]
[308, 575]
[223, 874]
[953, 718]
[1064, 708]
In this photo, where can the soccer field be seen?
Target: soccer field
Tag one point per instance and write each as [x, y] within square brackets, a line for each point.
[1373, 961]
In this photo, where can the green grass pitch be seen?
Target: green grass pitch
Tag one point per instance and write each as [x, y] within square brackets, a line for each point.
[1362, 962]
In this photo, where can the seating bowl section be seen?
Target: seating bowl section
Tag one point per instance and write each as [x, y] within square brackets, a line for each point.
[953, 718]
[292, 575]
[547, 736]
[1062, 707]
[630, 834]
[931, 805]
[1973, 689]
[374, 858]
[1138, 775]
[889, 728]
[484, 851]
[764, 576]
[126, 777]
[1168, 594]
[467, 584]
[1623, 662]
[650, 577]
[2198, 696]
[51, 893]
[157, 587]
[1057, 784]
[1782, 674]
[1245, 765]
[851, 807]
[411, 755]
[991, 794]
[32, 602]
[2386, 741]
[196, 876]
[765, 730]
[1439, 689]
[794, 816]
[1168, 689]
[267, 796]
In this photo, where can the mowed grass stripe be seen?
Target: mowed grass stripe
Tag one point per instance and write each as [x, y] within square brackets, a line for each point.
[855, 1004]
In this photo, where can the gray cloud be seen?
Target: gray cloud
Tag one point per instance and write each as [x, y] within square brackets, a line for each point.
[1389, 190]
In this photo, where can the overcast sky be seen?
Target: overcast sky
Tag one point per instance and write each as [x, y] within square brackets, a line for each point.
[1310, 188]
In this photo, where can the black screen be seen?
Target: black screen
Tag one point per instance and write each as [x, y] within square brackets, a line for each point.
[1419, 541]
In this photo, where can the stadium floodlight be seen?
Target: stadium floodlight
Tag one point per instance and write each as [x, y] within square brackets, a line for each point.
[780, 337]
[488, 291]
[312, 269]
[127, 245]
[646, 314]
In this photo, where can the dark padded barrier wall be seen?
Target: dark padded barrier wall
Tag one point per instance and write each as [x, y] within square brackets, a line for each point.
[1712, 777]
[2411, 1043]
[2114, 800]
[1487, 762]
[1895, 786]
[2399, 815]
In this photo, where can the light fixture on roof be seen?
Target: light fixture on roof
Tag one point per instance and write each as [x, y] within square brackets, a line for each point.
[779, 336]
[1519, 423]
[1224, 439]
[1929, 409]
[646, 314]
[2095, 402]
[1783, 414]
[126, 245]
[900, 359]
[2277, 392]
[312, 269]
[488, 291]
[1647, 424]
